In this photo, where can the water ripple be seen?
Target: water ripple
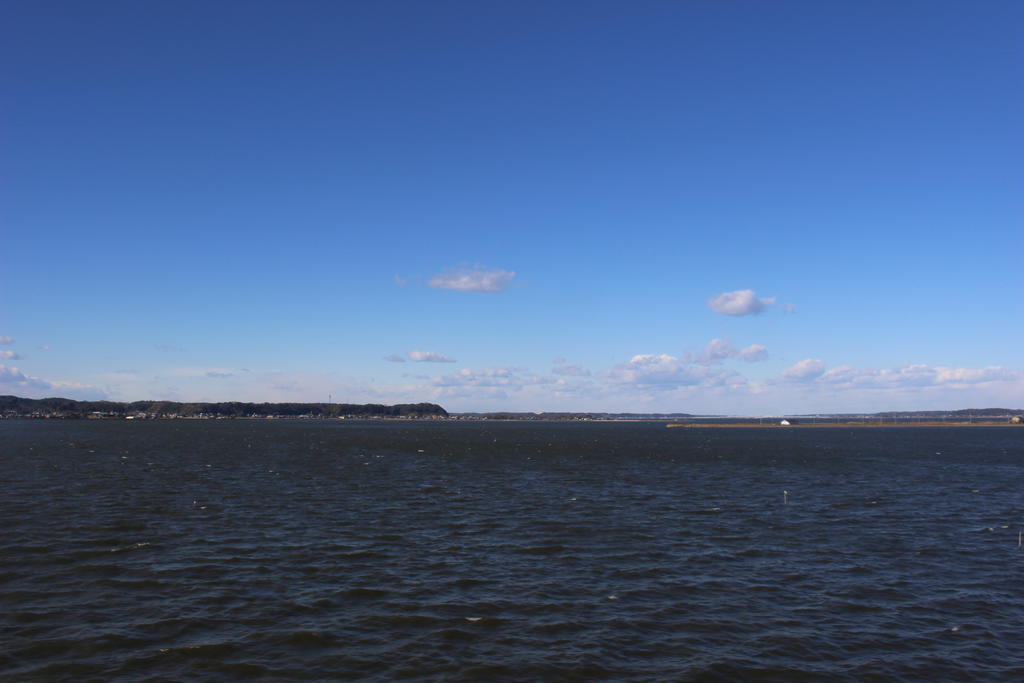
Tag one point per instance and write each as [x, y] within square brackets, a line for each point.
[504, 551]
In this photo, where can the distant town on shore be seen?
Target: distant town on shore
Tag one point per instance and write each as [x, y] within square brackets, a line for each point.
[15, 407]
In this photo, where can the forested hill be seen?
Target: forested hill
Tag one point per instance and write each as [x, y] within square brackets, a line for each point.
[14, 406]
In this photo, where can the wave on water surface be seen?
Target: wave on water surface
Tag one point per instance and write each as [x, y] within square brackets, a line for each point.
[469, 551]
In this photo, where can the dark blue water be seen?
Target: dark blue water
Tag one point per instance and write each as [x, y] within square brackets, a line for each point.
[505, 551]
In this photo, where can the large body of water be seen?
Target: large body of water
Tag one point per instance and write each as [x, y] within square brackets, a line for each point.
[192, 550]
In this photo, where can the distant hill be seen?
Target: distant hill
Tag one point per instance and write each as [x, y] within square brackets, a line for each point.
[14, 406]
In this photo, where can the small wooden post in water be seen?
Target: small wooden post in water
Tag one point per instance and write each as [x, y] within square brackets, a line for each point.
[785, 497]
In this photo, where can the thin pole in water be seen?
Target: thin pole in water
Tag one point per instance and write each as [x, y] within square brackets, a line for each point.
[785, 497]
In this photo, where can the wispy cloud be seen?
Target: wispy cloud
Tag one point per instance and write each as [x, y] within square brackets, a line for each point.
[563, 367]
[473, 279]
[13, 380]
[215, 373]
[807, 369]
[418, 356]
[739, 302]
[666, 371]
[11, 376]
[718, 350]
[9, 355]
[753, 353]
[570, 369]
[395, 358]
[6, 340]
[813, 371]
[483, 377]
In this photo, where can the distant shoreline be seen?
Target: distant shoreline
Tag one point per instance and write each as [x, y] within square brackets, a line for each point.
[833, 425]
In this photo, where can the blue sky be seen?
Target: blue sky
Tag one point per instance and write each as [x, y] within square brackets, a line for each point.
[728, 207]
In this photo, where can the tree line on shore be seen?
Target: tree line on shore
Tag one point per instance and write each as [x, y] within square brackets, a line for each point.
[66, 407]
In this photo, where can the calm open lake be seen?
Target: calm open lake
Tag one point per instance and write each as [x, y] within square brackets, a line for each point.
[208, 550]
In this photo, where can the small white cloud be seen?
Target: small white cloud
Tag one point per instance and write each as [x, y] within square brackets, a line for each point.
[740, 302]
[789, 308]
[6, 340]
[473, 279]
[394, 358]
[807, 369]
[419, 356]
[401, 281]
[44, 347]
[9, 355]
[219, 374]
[559, 360]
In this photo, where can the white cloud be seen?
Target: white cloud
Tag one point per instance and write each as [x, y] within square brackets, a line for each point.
[419, 356]
[718, 350]
[400, 281]
[6, 340]
[739, 302]
[9, 355]
[44, 347]
[807, 369]
[394, 358]
[473, 279]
